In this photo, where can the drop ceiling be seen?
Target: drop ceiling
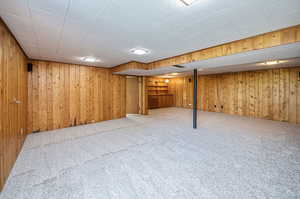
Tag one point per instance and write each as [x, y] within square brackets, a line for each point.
[247, 61]
[66, 30]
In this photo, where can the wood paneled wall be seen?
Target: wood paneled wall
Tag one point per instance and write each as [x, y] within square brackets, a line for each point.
[132, 95]
[143, 96]
[133, 65]
[182, 90]
[64, 95]
[266, 40]
[269, 94]
[13, 88]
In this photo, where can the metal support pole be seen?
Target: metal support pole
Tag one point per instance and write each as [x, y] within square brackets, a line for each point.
[195, 99]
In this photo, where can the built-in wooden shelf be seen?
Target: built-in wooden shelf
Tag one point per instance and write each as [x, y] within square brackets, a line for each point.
[157, 86]
[158, 93]
[158, 90]
[167, 94]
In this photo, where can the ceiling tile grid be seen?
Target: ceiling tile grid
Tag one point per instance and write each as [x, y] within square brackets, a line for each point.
[66, 30]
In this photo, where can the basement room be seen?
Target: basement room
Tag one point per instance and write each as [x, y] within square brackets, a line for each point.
[140, 99]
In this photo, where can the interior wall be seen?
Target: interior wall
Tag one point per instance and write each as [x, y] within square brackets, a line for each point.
[182, 90]
[143, 96]
[268, 94]
[13, 101]
[64, 95]
[132, 95]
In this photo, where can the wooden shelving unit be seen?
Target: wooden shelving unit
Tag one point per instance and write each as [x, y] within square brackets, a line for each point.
[157, 86]
[158, 93]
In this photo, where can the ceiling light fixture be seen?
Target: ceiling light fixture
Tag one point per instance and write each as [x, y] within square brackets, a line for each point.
[188, 2]
[271, 62]
[139, 51]
[90, 59]
[166, 76]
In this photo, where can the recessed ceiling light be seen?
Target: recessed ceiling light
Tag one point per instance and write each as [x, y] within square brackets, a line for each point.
[174, 73]
[188, 2]
[271, 62]
[139, 51]
[90, 59]
[166, 76]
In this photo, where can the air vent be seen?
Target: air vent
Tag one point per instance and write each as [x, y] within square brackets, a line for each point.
[178, 66]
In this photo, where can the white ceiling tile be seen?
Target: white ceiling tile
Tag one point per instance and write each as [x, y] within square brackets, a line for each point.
[19, 26]
[14, 7]
[72, 36]
[31, 50]
[26, 42]
[56, 7]
[86, 11]
[46, 21]
[108, 29]
[48, 29]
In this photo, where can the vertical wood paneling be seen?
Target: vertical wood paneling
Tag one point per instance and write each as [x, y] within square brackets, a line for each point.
[201, 86]
[259, 91]
[123, 96]
[269, 94]
[107, 95]
[13, 88]
[101, 94]
[30, 103]
[220, 87]
[56, 98]
[96, 98]
[266, 95]
[70, 95]
[2, 170]
[42, 91]
[35, 99]
[49, 101]
[66, 88]
[240, 94]
[116, 110]
[293, 96]
[284, 94]
[275, 98]
[83, 95]
[231, 94]
[298, 94]
[76, 97]
[143, 95]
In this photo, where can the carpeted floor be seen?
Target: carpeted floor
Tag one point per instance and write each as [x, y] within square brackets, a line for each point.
[161, 156]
